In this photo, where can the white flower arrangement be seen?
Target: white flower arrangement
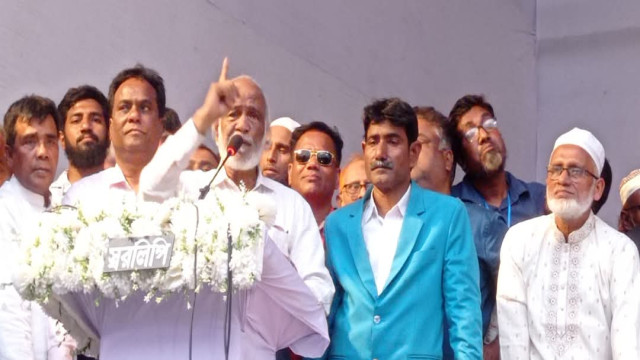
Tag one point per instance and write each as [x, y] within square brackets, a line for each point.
[66, 252]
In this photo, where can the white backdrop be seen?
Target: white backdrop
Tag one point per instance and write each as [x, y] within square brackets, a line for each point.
[325, 60]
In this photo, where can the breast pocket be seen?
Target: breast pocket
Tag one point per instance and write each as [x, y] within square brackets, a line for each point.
[424, 257]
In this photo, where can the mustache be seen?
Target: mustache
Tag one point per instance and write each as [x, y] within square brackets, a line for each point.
[382, 164]
[93, 136]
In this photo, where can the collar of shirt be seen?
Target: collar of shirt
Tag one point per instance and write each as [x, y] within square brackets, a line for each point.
[114, 177]
[468, 193]
[371, 209]
[62, 182]
[37, 201]
[577, 235]
[223, 181]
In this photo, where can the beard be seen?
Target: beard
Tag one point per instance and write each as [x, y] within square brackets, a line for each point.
[492, 162]
[570, 209]
[248, 156]
[87, 156]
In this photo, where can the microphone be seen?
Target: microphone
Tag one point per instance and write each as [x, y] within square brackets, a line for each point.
[233, 146]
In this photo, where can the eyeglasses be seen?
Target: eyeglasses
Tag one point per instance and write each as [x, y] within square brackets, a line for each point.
[575, 173]
[324, 157]
[472, 134]
[355, 187]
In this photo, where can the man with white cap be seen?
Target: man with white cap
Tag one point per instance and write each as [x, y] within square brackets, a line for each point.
[629, 222]
[276, 155]
[567, 286]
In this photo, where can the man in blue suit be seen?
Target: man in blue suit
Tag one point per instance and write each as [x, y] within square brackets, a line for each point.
[402, 258]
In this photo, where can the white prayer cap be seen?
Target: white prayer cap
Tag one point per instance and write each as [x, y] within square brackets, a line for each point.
[629, 185]
[587, 142]
[285, 122]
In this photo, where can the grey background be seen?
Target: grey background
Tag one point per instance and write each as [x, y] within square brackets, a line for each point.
[545, 65]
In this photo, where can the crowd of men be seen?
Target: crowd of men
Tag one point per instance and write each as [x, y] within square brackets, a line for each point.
[404, 263]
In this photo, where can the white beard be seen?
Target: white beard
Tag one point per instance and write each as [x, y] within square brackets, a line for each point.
[248, 156]
[570, 209]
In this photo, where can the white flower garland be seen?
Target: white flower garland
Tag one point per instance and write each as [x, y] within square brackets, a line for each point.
[66, 251]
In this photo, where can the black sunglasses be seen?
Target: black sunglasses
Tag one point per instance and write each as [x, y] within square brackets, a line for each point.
[324, 157]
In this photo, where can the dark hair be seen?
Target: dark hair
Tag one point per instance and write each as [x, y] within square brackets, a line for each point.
[461, 107]
[322, 127]
[436, 118]
[171, 121]
[606, 175]
[27, 109]
[141, 72]
[80, 93]
[394, 110]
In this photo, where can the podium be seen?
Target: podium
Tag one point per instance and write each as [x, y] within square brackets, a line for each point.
[276, 312]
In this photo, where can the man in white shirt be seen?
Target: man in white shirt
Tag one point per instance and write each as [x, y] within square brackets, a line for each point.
[276, 155]
[568, 282]
[295, 231]
[84, 126]
[32, 148]
[137, 100]
[135, 132]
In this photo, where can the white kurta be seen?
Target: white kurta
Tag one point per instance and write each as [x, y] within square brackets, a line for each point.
[25, 331]
[575, 299]
[295, 230]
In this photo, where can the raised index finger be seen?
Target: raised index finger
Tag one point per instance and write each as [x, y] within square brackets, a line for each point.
[225, 70]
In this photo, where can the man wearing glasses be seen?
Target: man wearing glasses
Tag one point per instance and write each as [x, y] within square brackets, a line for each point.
[480, 150]
[317, 152]
[353, 181]
[567, 287]
[435, 170]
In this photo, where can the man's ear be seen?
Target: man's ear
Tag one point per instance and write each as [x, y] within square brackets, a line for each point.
[9, 154]
[449, 162]
[289, 167]
[625, 224]
[61, 139]
[599, 189]
[414, 153]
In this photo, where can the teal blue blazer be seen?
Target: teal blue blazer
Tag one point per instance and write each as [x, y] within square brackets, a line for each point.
[434, 274]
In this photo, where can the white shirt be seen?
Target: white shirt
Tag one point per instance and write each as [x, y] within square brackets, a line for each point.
[25, 331]
[575, 299]
[381, 235]
[100, 189]
[295, 230]
[58, 188]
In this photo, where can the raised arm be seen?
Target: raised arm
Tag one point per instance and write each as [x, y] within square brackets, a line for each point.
[160, 179]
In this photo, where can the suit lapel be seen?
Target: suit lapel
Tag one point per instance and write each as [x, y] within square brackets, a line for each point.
[358, 247]
[411, 226]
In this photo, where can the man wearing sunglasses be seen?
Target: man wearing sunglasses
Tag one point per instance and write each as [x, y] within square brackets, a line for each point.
[317, 152]
[353, 181]
[480, 150]
[568, 285]
[402, 257]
